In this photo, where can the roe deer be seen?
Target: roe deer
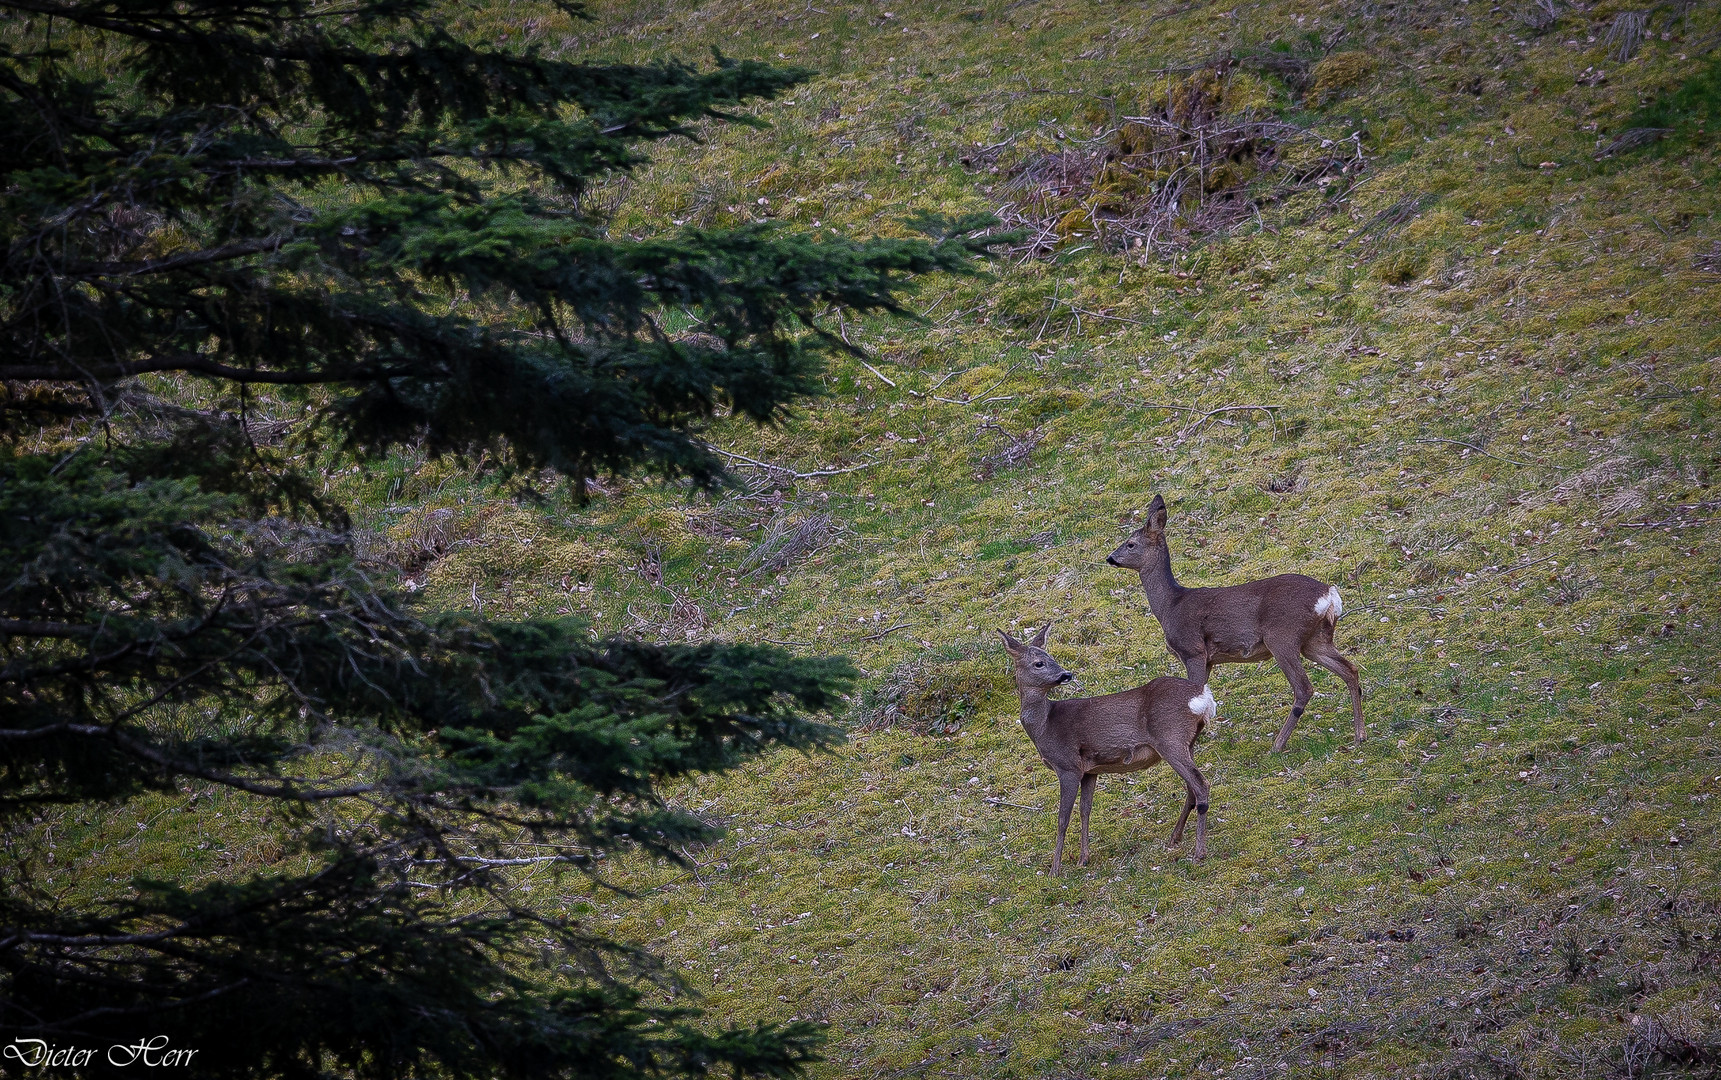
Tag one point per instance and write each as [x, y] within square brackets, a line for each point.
[1080, 738]
[1278, 618]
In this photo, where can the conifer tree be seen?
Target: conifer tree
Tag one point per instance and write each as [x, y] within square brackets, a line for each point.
[245, 240]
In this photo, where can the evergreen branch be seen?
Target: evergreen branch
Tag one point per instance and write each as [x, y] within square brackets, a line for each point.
[169, 263]
[287, 788]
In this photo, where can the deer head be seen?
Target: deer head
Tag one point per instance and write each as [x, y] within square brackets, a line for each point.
[1035, 668]
[1132, 553]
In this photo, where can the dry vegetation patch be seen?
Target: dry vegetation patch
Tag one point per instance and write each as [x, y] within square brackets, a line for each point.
[1201, 156]
[930, 695]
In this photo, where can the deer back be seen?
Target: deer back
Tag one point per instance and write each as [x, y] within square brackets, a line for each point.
[1284, 607]
[1129, 729]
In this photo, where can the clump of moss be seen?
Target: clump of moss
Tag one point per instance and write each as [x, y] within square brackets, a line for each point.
[1400, 268]
[1339, 74]
[930, 695]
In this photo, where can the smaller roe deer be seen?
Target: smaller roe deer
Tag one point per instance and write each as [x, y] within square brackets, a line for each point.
[1278, 617]
[1080, 738]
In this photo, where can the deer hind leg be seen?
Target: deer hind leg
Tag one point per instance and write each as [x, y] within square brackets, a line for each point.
[1068, 784]
[1188, 805]
[1326, 654]
[1088, 783]
[1189, 794]
[1196, 791]
[1301, 691]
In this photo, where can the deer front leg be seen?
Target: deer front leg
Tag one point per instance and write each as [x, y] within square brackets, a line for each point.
[1068, 785]
[1301, 691]
[1196, 666]
[1088, 783]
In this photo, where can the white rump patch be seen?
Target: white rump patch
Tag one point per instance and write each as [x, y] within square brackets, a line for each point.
[1330, 607]
[1204, 705]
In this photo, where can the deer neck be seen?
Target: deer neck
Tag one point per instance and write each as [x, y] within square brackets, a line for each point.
[1158, 581]
[1036, 707]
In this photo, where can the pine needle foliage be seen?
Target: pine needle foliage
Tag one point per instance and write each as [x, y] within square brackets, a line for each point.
[242, 242]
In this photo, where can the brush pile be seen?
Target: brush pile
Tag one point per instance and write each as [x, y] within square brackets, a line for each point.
[1204, 156]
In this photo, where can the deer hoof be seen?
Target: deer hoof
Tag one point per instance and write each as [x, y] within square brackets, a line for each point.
[1199, 855]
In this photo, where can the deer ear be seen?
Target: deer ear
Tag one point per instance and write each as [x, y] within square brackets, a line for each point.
[1039, 641]
[1010, 643]
[1156, 513]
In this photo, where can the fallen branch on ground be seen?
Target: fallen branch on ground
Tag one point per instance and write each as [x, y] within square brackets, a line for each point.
[770, 467]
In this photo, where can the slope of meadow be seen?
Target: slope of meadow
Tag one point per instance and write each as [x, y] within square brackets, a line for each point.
[1486, 392]
[1473, 381]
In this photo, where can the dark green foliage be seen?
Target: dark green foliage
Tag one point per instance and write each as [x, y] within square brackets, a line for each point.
[998, 549]
[271, 960]
[261, 235]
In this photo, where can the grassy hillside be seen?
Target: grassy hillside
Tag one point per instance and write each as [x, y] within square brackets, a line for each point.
[1436, 333]
[1473, 383]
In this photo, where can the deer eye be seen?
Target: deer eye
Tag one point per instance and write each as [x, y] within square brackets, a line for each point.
[1039, 663]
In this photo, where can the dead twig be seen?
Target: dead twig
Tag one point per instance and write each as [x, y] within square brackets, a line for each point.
[787, 540]
[1633, 139]
[1396, 214]
[755, 463]
[1209, 414]
[1097, 314]
[1667, 523]
[1192, 165]
[1501, 573]
[887, 380]
[941, 382]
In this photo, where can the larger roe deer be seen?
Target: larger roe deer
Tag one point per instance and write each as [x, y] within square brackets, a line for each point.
[1279, 618]
[1080, 738]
